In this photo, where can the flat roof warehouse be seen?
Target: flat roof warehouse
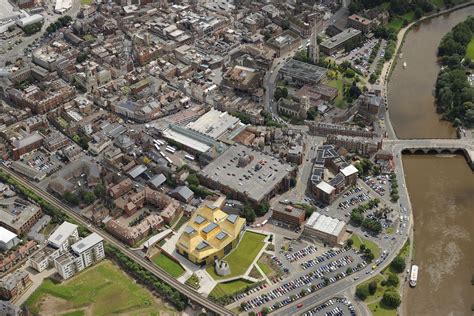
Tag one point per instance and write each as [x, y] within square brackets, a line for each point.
[247, 171]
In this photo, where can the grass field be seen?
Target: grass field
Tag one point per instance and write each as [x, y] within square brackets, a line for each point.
[339, 85]
[229, 288]
[470, 49]
[173, 268]
[100, 290]
[378, 309]
[358, 240]
[380, 289]
[88, 2]
[264, 262]
[241, 257]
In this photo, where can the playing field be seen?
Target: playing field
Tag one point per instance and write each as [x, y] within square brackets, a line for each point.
[173, 268]
[240, 259]
[100, 290]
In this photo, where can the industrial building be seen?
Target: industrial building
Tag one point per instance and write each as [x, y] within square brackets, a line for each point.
[324, 228]
[247, 174]
[210, 235]
[8, 240]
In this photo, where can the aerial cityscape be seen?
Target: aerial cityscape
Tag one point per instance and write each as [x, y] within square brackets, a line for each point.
[232, 157]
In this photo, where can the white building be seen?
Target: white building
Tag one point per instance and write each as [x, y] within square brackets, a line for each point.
[8, 239]
[63, 236]
[321, 227]
[85, 253]
[90, 249]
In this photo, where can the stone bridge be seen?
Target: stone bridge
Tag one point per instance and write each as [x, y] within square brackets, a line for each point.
[433, 146]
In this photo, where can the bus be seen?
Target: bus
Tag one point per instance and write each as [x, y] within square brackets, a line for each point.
[189, 157]
[170, 149]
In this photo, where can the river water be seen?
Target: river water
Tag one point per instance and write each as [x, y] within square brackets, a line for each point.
[441, 188]
[411, 90]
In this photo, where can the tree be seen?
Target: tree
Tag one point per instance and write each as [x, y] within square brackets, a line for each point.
[349, 242]
[356, 218]
[89, 197]
[362, 292]
[398, 264]
[249, 213]
[418, 13]
[372, 287]
[349, 271]
[192, 179]
[362, 247]
[99, 191]
[71, 198]
[391, 299]
[393, 280]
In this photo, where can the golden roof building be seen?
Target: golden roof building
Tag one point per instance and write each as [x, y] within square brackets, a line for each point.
[211, 234]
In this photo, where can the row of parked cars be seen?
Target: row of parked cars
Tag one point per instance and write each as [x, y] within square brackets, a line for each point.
[300, 254]
[255, 289]
[321, 258]
[362, 197]
[303, 284]
[338, 309]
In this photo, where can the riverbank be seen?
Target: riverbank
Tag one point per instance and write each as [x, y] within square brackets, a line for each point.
[390, 65]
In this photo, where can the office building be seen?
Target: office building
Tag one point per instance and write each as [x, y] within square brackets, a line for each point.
[346, 39]
[290, 215]
[299, 73]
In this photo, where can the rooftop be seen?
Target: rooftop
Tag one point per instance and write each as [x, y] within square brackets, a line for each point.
[6, 235]
[61, 234]
[86, 243]
[325, 224]
[340, 38]
[301, 70]
[247, 171]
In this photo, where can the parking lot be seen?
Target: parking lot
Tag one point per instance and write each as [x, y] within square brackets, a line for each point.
[359, 57]
[336, 306]
[379, 184]
[329, 268]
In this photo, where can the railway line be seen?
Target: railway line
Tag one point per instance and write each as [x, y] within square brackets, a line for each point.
[158, 272]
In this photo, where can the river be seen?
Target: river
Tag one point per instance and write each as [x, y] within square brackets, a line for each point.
[411, 90]
[441, 188]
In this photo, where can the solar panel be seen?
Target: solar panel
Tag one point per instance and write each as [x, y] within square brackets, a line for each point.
[209, 228]
[199, 219]
[232, 218]
[221, 235]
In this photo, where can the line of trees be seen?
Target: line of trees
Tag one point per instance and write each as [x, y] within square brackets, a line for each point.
[454, 95]
[61, 22]
[180, 301]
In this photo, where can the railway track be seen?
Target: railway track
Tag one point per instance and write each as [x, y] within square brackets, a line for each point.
[157, 271]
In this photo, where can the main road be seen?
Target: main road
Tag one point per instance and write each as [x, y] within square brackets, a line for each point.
[158, 272]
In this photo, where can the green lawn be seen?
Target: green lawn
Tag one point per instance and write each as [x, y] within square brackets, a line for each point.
[103, 290]
[437, 3]
[75, 313]
[378, 309]
[358, 240]
[265, 268]
[380, 289]
[229, 288]
[470, 49]
[241, 257]
[339, 85]
[88, 2]
[173, 268]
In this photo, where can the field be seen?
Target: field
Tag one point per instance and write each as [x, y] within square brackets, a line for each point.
[241, 257]
[88, 2]
[229, 288]
[368, 244]
[265, 263]
[173, 268]
[339, 85]
[100, 290]
[470, 49]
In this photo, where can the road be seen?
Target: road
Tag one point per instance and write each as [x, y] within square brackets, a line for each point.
[158, 272]
[49, 16]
